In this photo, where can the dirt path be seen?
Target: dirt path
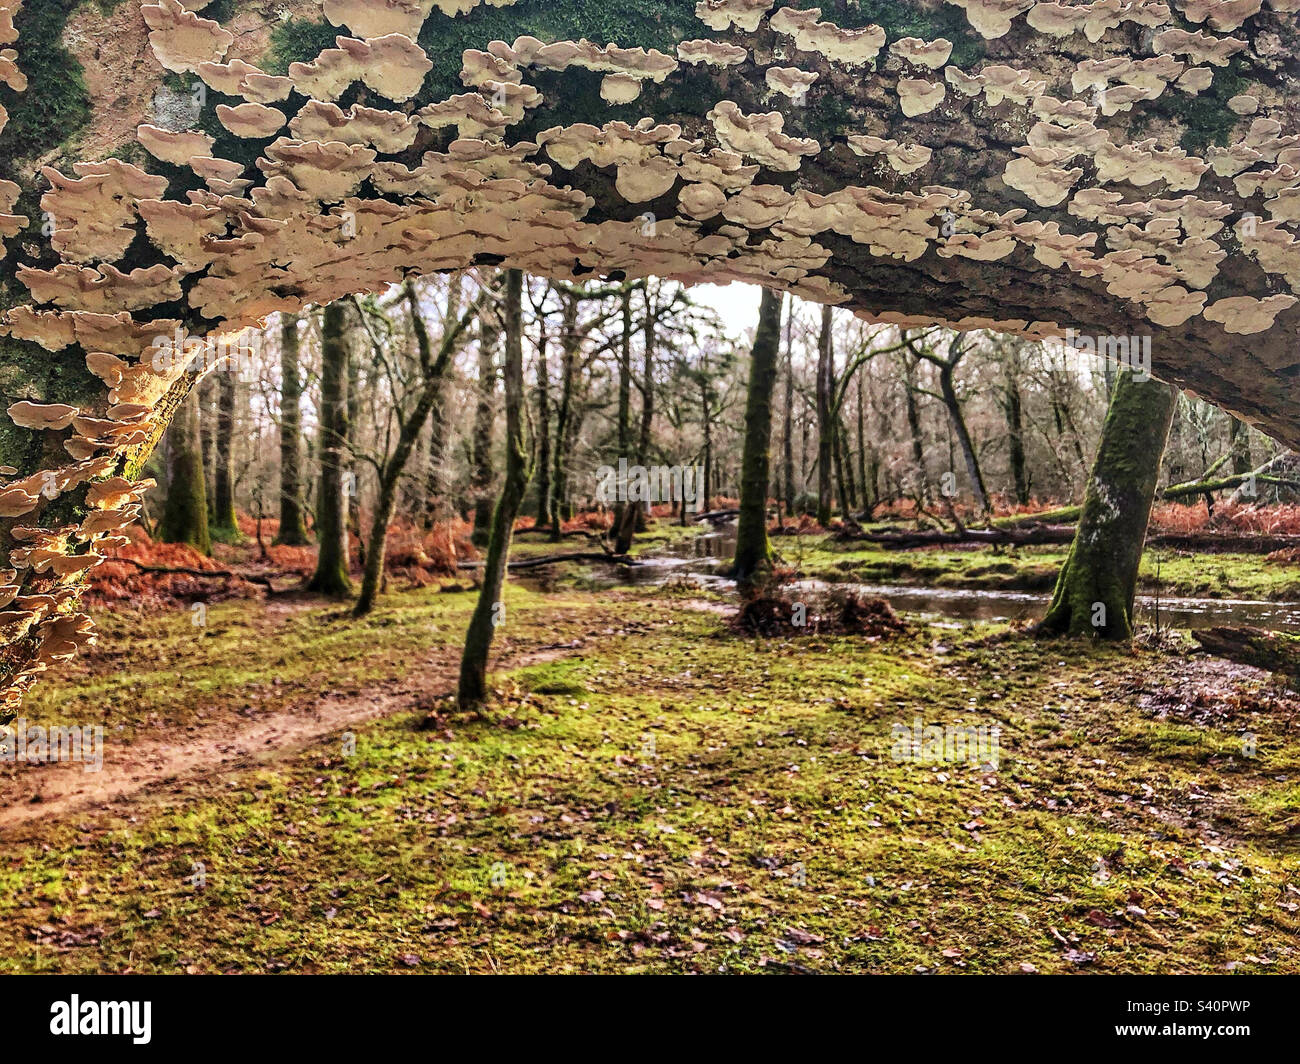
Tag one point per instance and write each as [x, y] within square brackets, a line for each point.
[33, 792]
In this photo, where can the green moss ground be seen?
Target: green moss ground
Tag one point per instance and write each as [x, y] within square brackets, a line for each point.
[1246, 576]
[674, 798]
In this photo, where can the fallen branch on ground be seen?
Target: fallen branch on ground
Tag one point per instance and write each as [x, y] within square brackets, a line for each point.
[934, 537]
[716, 516]
[1054, 534]
[1278, 653]
[218, 574]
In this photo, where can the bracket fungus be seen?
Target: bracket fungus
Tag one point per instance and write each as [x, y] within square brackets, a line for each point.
[711, 53]
[903, 158]
[393, 66]
[919, 53]
[180, 39]
[238, 78]
[1245, 315]
[1036, 174]
[251, 120]
[791, 82]
[992, 18]
[917, 96]
[176, 148]
[41, 416]
[851, 48]
[723, 14]
[620, 89]
[760, 137]
[93, 213]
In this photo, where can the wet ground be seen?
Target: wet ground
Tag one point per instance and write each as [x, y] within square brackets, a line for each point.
[703, 560]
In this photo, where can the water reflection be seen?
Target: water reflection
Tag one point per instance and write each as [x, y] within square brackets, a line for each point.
[703, 558]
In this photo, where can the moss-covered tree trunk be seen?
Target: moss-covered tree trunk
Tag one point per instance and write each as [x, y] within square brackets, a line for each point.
[293, 529]
[207, 390]
[1240, 443]
[185, 518]
[1096, 586]
[753, 551]
[222, 519]
[332, 576]
[471, 692]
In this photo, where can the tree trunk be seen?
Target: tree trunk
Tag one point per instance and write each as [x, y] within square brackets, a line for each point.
[868, 486]
[207, 390]
[293, 529]
[569, 343]
[435, 484]
[787, 432]
[625, 398]
[222, 519]
[434, 507]
[634, 515]
[185, 518]
[481, 456]
[543, 434]
[1013, 408]
[706, 421]
[648, 407]
[1096, 586]
[372, 577]
[914, 428]
[332, 577]
[1240, 442]
[949, 392]
[471, 691]
[849, 490]
[352, 467]
[825, 427]
[433, 372]
[753, 551]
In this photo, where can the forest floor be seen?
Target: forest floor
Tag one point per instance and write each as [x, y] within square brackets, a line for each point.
[655, 793]
[1034, 568]
[1168, 572]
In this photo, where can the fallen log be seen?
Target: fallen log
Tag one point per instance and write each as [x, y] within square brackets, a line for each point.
[217, 574]
[1273, 651]
[715, 517]
[934, 537]
[1207, 542]
[1060, 516]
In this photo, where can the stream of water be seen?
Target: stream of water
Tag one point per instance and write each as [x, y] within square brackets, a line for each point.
[704, 558]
